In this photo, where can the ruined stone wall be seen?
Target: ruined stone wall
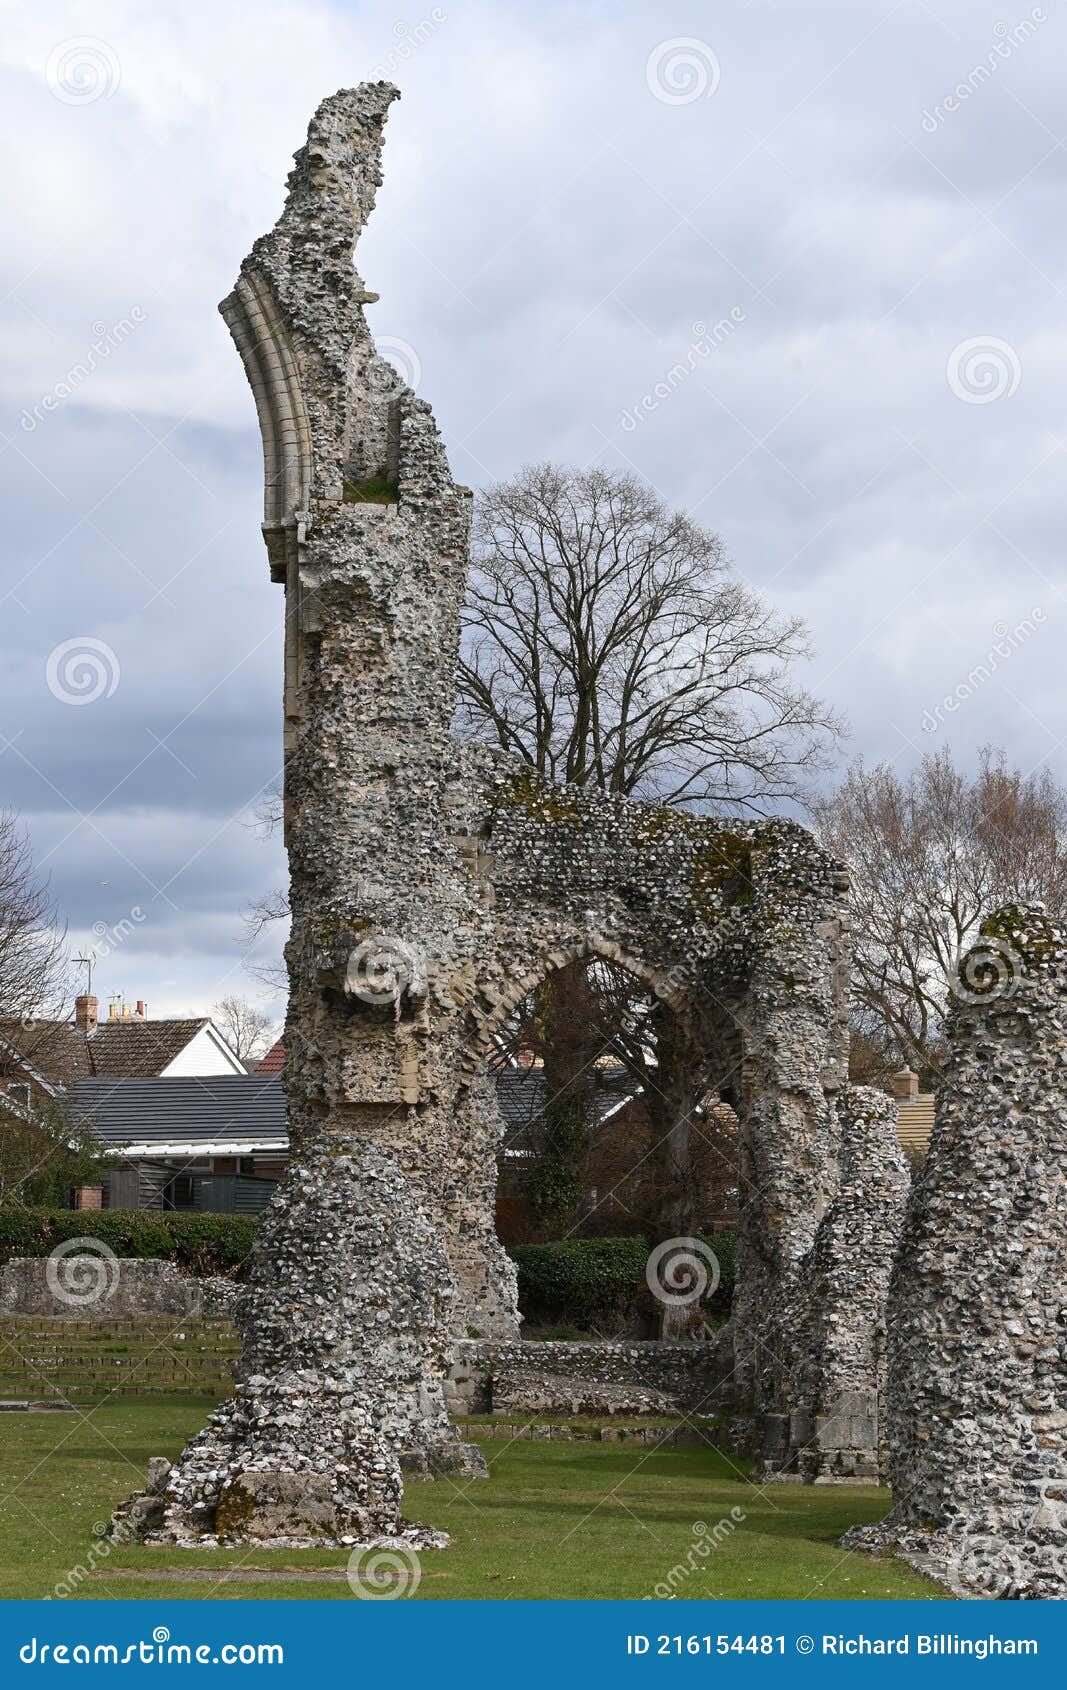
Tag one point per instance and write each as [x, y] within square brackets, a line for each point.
[977, 1413]
[832, 1428]
[432, 885]
[695, 1377]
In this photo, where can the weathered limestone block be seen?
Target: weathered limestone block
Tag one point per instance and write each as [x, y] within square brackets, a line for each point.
[977, 1395]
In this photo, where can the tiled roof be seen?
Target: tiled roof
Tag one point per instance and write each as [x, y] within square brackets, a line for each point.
[53, 1049]
[274, 1061]
[62, 1055]
[520, 1095]
[211, 1109]
[140, 1047]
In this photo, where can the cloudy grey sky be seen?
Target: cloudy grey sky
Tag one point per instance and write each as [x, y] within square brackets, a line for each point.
[799, 265]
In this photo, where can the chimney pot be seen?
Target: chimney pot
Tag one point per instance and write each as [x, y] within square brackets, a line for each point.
[112, 1011]
[85, 1012]
[905, 1084]
[140, 1008]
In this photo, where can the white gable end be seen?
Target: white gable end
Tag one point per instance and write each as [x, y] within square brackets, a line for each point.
[206, 1053]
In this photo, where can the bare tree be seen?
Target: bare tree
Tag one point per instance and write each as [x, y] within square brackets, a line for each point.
[34, 964]
[33, 959]
[264, 915]
[249, 1029]
[930, 855]
[607, 643]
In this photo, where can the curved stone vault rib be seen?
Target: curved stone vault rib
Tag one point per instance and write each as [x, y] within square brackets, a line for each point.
[261, 337]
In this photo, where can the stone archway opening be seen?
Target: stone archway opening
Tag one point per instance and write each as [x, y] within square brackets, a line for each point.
[616, 1096]
[474, 876]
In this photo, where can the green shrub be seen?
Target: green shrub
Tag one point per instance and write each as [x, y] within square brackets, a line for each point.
[198, 1244]
[581, 1280]
[724, 1245]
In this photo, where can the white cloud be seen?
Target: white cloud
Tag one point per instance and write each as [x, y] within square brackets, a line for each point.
[547, 235]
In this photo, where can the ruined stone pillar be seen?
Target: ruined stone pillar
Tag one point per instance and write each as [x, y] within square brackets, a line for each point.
[348, 1309]
[977, 1351]
[485, 1296]
[795, 1046]
[836, 1430]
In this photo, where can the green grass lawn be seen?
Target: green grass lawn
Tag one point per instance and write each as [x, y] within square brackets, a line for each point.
[553, 1520]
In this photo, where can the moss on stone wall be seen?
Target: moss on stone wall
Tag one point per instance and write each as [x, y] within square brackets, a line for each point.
[525, 790]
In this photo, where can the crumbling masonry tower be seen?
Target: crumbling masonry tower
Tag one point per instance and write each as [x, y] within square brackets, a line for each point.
[433, 885]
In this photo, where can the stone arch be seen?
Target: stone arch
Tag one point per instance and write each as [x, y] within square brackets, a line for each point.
[450, 862]
[261, 337]
[662, 982]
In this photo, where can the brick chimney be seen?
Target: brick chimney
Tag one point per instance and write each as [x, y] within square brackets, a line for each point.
[905, 1085]
[85, 1012]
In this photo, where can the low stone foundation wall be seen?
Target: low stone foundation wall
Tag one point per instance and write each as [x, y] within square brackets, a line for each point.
[688, 1377]
[729, 1436]
[93, 1285]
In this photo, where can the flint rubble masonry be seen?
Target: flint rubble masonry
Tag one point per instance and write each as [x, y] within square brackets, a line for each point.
[977, 1406]
[433, 885]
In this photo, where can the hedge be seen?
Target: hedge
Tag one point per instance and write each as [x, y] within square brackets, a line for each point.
[577, 1280]
[199, 1244]
[584, 1279]
[580, 1278]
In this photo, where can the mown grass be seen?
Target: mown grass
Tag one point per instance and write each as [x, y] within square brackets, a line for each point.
[553, 1520]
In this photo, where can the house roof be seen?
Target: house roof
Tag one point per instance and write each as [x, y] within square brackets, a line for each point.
[274, 1060]
[520, 1095]
[62, 1055]
[52, 1052]
[214, 1114]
